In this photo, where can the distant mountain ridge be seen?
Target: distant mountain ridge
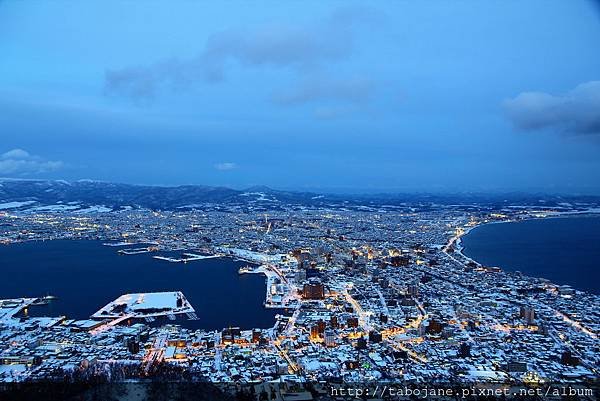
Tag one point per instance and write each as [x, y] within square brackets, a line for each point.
[19, 194]
[115, 195]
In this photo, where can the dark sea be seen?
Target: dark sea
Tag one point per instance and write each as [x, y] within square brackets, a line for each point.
[86, 275]
[563, 250]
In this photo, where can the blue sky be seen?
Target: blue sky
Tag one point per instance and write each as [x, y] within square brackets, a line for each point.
[319, 95]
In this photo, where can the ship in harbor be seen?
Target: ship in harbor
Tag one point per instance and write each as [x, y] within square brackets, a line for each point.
[245, 269]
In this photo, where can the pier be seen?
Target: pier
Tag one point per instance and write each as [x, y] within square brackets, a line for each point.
[137, 251]
[143, 306]
[12, 307]
[187, 257]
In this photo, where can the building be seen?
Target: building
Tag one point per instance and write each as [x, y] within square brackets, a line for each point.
[528, 314]
[464, 350]
[516, 367]
[568, 359]
[398, 261]
[383, 318]
[230, 334]
[413, 290]
[352, 322]
[313, 290]
[434, 327]
[314, 332]
[133, 346]
[330, 338]
[321, 325]
[375, 337]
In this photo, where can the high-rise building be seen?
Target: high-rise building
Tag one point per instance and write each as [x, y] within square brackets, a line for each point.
[375, 336]
[413, 290]
[321, 325]
[313, 290]
[434, 327]
[383, 318]
[567, 358]
[361, 343]
[229, 335]
[464, 350]
[352, 322]
[528, 314]
[133, 346]
[314, 332]
[330, 338]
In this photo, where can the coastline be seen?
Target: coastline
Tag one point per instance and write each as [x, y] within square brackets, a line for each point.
[257, 286]
[459, 248]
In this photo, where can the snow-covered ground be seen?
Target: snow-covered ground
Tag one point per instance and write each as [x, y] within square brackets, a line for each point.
[257, 257]
[35, 207]
[13, 205]
[95, 209]
[53, 208]
[260, 196]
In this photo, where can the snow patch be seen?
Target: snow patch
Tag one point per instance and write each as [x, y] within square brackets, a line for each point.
[12, 205]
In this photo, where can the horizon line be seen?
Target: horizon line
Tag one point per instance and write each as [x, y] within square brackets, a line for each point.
[339, 191]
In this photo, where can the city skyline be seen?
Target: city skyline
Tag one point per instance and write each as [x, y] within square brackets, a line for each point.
[326, 97]
[298, 201]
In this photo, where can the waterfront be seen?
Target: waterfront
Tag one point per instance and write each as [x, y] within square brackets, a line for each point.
[85, 275]
[563, 250]
[353, 295]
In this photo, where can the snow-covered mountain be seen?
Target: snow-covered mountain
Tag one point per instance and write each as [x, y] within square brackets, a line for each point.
[88, 195]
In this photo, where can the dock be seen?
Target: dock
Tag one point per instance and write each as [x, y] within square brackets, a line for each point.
[143, 306]
[9, 308]
[187, 257]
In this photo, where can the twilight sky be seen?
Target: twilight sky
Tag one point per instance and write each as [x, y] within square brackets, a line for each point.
[316, 95]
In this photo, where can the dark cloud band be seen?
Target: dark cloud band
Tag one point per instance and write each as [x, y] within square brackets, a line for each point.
[577, 111]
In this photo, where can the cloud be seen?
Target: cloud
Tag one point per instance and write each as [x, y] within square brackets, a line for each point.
[20, 163]
[277, 45]
[293, 46]
[350, 90]
[143, 82]
[15, 154]
[577, 111]
[225, 166]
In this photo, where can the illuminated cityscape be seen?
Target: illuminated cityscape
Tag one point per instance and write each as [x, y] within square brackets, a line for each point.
[279, 200]
[363, 293]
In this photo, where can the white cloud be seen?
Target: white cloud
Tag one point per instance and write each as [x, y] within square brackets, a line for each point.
[19, 162]
[15, 154]
[225, 166]
[577, 111]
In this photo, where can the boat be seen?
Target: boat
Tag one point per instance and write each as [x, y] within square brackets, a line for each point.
[245, 269]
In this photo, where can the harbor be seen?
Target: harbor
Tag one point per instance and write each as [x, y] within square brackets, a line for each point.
[219, 295]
